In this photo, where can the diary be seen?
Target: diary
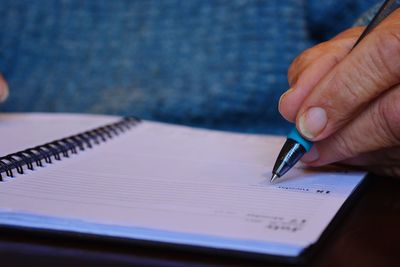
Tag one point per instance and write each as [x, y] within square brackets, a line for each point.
[162, 183]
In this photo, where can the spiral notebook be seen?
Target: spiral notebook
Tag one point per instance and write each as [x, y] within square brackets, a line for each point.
[168, 184]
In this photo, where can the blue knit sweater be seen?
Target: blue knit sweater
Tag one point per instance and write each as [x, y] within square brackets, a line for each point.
[217, 64]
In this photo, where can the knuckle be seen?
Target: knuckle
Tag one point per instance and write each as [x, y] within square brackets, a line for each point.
[343, 92]
[304, 57]
[296, 65]
[300, 58]
[334, 58]
[387, 58]
[344, 147]
[327, 51]
[391, 38]
[388, 119]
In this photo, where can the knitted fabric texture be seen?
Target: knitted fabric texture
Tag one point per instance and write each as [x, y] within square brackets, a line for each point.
[214, 64]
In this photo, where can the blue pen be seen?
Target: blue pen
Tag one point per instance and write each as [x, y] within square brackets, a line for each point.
[296, 145]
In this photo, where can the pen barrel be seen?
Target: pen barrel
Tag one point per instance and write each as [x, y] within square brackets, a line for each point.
[385, 10]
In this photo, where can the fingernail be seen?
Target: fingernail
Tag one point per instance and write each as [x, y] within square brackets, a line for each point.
[4, 93]
[312, 122]
[311, 155]
[283, 96]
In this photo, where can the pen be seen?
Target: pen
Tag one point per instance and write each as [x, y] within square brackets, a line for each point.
[296, 145]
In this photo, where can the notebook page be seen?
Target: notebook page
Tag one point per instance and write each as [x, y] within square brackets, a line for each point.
[23, 130]
[181, 185]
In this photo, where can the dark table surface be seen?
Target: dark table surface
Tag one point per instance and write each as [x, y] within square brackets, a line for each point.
[367, 235]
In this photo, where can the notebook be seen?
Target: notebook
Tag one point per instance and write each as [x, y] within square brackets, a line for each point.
[168, 184]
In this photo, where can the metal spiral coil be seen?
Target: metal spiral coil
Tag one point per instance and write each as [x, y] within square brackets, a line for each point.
[62, 148]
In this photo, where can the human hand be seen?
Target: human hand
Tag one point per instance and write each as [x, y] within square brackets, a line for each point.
[349, 103]
[3, 89]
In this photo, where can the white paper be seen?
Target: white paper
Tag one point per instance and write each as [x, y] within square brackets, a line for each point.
[174, 184]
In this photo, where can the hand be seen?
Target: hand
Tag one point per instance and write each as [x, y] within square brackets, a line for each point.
[3, 89]
[348, 103]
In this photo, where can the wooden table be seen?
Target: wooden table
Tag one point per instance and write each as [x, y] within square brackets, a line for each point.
[369, 235]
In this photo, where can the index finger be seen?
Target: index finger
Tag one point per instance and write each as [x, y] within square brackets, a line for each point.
[311, 66]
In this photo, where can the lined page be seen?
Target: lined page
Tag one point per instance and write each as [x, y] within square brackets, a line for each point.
[24, 130]
[178, 184]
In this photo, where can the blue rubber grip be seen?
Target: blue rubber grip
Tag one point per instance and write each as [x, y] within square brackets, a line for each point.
[296, 136]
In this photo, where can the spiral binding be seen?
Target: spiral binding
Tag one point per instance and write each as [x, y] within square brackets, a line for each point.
[64, 147]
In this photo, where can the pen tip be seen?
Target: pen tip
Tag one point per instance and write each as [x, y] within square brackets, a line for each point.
[274, 177]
